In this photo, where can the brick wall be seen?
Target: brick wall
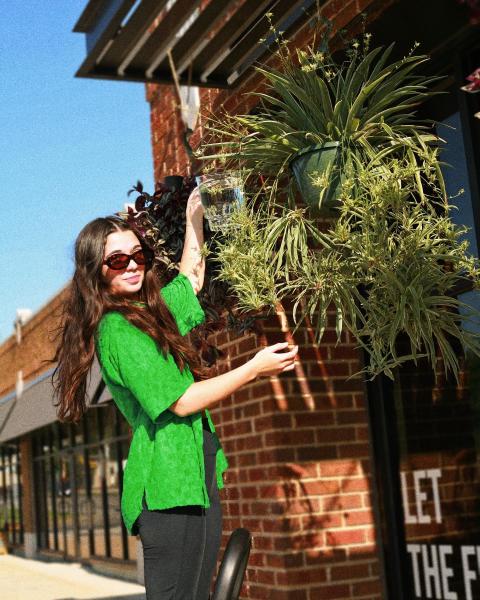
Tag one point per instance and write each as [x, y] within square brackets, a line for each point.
[299, 476]
[37, 345]
[298, 445]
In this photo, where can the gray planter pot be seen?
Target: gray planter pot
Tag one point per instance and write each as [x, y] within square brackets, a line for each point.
[314, 162]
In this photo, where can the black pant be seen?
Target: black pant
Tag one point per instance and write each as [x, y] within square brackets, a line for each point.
[180, 545]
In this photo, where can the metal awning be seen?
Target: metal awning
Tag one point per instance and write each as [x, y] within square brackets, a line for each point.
[212, 44]
[35, 407]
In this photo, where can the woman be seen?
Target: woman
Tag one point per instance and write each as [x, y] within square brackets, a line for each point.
[175, 463]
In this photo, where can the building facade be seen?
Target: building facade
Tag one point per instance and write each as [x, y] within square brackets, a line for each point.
[350, 489]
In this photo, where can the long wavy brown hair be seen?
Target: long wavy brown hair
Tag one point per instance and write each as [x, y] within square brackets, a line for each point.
[88, 300]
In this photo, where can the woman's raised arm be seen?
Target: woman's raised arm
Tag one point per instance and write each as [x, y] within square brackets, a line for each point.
[192, 264]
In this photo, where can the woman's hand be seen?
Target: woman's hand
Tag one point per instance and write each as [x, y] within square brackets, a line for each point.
[195, 210]
[270, 361]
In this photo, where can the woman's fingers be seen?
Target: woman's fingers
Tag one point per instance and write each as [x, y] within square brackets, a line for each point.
[279, 346]
[288, 360]
[286, 355]
[275, 359]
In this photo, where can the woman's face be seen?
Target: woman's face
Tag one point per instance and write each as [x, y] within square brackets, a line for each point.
[127, 281]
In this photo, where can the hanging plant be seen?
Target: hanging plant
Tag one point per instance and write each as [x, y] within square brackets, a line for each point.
[388, 266]
[390, 259]
[319, 115]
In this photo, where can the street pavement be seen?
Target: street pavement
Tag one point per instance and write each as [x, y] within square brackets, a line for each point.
[24, 579]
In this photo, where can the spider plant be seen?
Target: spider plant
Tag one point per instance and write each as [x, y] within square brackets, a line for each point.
[364, 105]
[388, 265]
[390, 261]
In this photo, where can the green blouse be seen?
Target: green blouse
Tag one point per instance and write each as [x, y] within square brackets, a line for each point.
[165, 459]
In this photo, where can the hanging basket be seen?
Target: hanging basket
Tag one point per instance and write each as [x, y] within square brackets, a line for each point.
[317, 174]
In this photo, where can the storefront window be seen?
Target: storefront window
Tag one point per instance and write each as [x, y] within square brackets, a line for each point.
[97, 470]
[78, 479]
[11, 517]
[107, 422]
[85, 506]
[456, 176]
[66, 493]
[64, 434]
[440, 482]
[112, 480]
[438, 423]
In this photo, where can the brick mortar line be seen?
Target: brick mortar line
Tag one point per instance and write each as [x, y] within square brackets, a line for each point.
[320, 395]
[282, 462]
[295, 446]
[284, 501]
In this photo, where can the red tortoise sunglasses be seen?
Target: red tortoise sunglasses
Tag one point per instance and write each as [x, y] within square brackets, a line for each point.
[120, 261]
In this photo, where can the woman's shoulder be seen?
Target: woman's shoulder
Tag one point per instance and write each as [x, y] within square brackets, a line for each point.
[112, 323]
[115, 329]
[112, 318]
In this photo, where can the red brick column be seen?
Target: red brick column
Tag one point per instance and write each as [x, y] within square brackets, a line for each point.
[169, 155]
[299, 476]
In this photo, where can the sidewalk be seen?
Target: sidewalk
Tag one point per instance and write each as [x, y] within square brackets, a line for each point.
[24, 579]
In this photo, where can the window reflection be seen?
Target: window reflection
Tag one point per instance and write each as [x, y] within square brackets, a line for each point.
[456, 179]
[85, 506]
[64, 491]
[97, 469]
[91, 426]
[456, 176]
[108, 422]
[113, 484]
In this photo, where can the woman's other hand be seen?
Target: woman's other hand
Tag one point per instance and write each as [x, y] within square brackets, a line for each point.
[195, 210]
[272, 361]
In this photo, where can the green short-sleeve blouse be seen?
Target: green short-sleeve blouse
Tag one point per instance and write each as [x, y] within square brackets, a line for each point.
[165, 460]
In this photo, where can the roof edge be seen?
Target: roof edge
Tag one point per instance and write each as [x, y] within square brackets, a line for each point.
[89, 16]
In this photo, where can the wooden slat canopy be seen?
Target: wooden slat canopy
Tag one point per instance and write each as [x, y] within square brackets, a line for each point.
[212, 43]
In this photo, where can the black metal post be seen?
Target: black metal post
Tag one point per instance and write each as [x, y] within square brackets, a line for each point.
[385, 449]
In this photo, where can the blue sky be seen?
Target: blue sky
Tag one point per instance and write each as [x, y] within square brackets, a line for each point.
[70, 149]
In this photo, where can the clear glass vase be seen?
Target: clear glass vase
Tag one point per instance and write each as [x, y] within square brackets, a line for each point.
[221, 195]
